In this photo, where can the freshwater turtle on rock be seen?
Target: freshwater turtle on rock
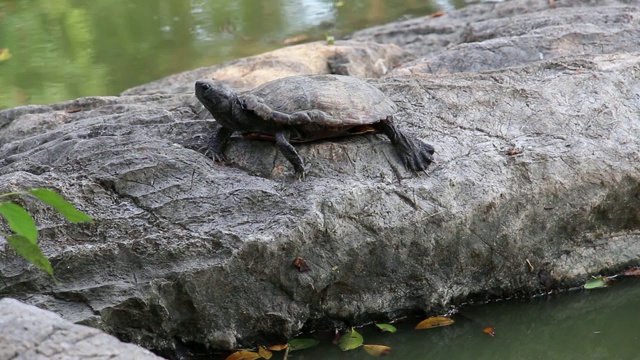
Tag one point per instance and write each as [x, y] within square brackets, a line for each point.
[306, 108]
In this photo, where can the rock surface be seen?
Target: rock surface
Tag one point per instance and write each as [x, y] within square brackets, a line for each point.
[30, 333]
[537, 162]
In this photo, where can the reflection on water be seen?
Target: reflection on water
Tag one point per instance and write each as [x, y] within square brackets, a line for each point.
[68, 49]
[595, 324]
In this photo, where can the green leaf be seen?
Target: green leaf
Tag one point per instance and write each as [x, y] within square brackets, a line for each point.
[595, 283]
[20, 221]
[299, 344]
[387, 328]
[350, 340]
[30, 251]
[65, 208]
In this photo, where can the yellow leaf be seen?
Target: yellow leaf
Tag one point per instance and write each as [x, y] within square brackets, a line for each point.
[243, 355]
[264, 353]
[377, 350]
[435, 321]
[278, 347]
[4, 54]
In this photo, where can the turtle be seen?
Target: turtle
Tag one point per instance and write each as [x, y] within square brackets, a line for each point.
[305, 108]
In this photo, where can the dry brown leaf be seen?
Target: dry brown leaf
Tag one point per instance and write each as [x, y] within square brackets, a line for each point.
[491, 331]
[377, 350]
[300, 264]
[435, 321]
[277, 347]
[244, 355]
[264, 353]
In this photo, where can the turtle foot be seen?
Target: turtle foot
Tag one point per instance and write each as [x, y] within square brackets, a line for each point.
[217, 144]
[416, 155]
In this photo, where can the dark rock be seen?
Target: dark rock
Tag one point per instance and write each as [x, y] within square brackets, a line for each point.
[185, 251]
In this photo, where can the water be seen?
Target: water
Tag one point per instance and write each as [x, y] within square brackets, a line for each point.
[64, 49]
[584, 325]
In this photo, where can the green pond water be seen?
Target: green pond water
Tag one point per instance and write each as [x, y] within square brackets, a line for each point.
[55, 50]
[581, 325]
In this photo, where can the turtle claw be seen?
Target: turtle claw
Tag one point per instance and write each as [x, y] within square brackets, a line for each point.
[416, 155]
[215, 156]
[301, 174]
[221, 158]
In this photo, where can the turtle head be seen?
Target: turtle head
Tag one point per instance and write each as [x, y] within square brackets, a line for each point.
[215, 97]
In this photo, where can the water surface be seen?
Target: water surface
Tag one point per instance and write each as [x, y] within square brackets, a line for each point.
[581, 325]
[64, 49]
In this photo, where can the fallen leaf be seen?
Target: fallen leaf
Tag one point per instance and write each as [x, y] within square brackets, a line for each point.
[71, 111]
[300, 264]
[437, 14]
[350, 340]
[243, 355]
[596, 283]
[491, 331]
[299, 344]
[336, 337]
[377, 350]
[634, 271]
[433, 322]
[278, 347]
[264, 353]
[387, 328]
[514, 151]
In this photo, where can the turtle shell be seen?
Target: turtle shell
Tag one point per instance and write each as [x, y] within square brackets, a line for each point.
[341, 104]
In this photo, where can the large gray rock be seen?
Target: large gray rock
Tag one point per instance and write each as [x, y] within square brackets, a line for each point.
[30, 333]
[537, 163]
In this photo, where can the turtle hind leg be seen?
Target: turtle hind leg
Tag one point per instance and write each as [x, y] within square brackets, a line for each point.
[218, 143]
[289, 152]
[415, 154]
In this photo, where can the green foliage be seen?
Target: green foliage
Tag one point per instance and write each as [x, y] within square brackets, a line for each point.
[25, 239]
[20, 222]
[57, 202]
[30, 251]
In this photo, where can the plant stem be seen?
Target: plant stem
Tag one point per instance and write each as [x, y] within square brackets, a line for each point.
[14, 193]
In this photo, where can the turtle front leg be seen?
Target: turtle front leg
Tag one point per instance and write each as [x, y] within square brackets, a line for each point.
[415, 154]
[289, 152]
[218, 143]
